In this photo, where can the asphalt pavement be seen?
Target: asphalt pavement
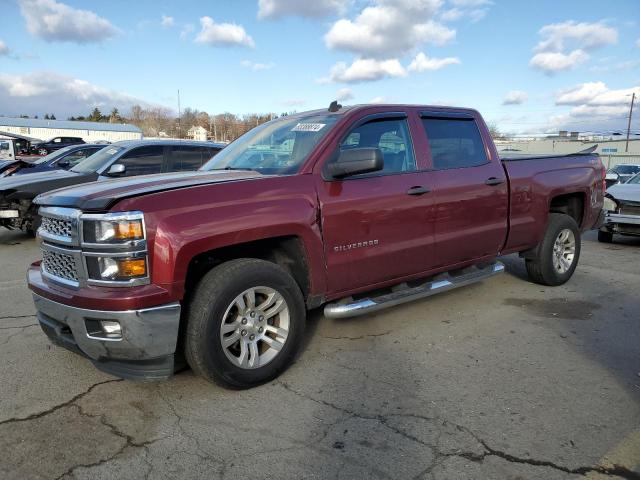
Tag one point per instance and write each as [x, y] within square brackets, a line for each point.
[504, 379]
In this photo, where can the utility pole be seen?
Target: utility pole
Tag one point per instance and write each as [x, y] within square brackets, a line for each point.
[633, 97]
[179, 133]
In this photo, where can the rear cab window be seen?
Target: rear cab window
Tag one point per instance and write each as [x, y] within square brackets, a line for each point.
[454, 142]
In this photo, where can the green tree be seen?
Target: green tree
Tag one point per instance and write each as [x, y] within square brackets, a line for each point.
[96, 115]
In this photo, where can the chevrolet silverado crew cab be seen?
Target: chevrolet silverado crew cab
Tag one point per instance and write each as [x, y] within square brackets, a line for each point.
[355, 208]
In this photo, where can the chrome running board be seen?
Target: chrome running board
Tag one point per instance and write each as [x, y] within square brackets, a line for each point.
[348, 307]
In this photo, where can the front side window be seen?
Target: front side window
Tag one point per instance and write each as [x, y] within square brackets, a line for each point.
[278, 147]
[392, 137]
[143, 161]
[455, 143]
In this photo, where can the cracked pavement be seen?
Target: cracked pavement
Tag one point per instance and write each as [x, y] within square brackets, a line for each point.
[500, 380]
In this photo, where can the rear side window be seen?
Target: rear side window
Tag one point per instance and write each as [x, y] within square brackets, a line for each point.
[455, 143]
[143, 161]
[186, 158]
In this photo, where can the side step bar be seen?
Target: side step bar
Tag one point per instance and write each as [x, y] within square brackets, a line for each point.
[403, 293]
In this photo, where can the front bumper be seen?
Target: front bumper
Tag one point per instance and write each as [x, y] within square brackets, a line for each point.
[625, 224]
[144, 351]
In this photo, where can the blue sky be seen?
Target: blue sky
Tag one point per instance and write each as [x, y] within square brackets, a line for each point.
[528, 66]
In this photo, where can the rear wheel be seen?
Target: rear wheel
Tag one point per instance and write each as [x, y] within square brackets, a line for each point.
[42, 151]
[605, 237]
[556, 257]
[245, 323]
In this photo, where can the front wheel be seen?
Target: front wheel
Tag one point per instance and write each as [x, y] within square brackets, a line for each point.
[556, 257]
[42, 151]
[245, 323]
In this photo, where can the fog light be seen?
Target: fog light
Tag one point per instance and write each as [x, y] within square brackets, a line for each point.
[111, 327]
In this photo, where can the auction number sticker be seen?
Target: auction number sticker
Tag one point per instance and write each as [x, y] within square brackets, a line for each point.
[308, 127]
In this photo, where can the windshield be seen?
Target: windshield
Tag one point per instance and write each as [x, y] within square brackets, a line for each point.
[627, 169]
[635, 179]
[53, 156]
[278, 147]
[96, 161]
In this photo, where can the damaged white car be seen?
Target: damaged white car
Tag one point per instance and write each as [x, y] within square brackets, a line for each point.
[622, 210]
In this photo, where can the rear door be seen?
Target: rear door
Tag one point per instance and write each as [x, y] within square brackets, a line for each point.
[471, 193]
[376, 226]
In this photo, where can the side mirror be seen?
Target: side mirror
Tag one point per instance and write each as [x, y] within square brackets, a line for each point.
[115, 170]
[356, 161]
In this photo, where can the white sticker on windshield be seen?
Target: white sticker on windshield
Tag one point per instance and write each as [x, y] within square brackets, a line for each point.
[111, 151]
[308, 127]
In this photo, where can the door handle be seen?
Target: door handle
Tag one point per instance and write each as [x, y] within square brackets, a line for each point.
[493, 181]
[418, 190]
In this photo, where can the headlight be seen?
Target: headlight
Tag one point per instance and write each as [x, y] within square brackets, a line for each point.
[113, 228]
[116, 269]
[610, 205]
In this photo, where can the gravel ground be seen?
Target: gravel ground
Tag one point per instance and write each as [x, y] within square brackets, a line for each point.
[503, 379]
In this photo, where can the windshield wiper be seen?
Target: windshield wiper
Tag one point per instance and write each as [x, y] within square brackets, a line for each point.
[237, 168]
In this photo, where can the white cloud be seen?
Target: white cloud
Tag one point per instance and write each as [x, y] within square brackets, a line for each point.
[474, 10]
[515, 97]
[255, 66]
[344, 94]
[63, 95]
[594, 107]
[310, 9]
[4, 50]
[167, 21]
[551, 62]
[364, 70]
[379, 99]
[294, 102]
[389, 28]
[54, 21]
[565, 45]
[638, 43]
[223, 34]
[586, 36]
[422, 63]
[186, 31]
[595, 94]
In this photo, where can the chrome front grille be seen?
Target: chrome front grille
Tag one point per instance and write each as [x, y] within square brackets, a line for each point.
[57, 226]
[60, 265]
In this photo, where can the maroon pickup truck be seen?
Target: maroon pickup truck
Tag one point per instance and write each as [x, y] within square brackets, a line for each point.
[354, 208]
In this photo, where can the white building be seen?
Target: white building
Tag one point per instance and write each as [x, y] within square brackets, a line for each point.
[88, 131]
[197, 133]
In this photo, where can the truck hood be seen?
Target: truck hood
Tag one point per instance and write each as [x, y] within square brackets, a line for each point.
[28, 186]
[625, 192]
[102, 195]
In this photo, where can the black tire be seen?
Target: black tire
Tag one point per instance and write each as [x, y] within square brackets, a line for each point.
[605, 237]
[541, 267]
[213, 295]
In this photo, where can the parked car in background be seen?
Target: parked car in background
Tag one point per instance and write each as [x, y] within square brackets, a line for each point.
[120, 159]
[621, 173]
[622, 210]
[56, 143]
[357, 208]
[65, 158]
[7, 153]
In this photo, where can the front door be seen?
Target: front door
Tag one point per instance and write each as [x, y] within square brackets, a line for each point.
[376, 226]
